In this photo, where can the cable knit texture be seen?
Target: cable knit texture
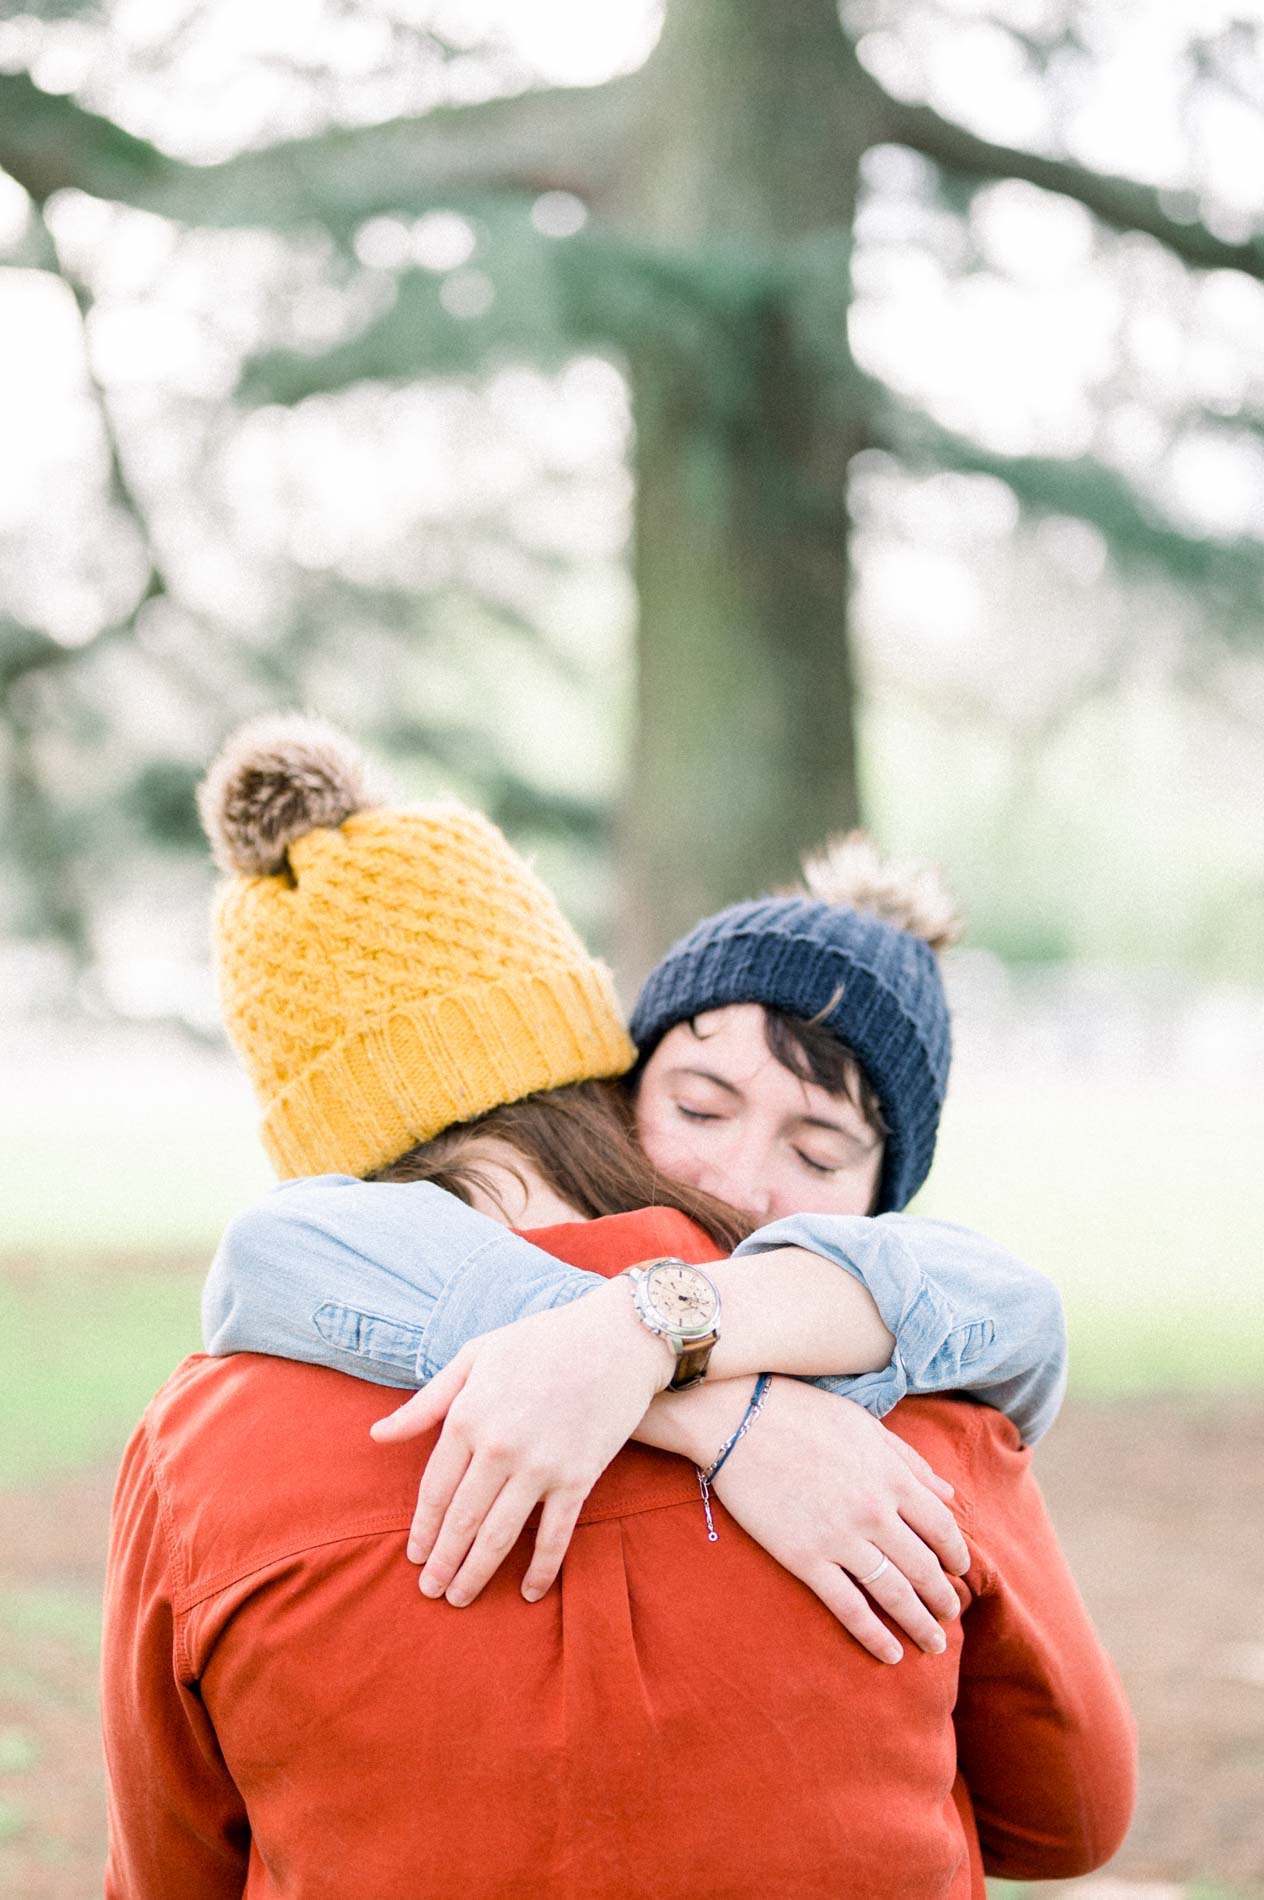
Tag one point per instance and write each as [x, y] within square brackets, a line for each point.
[409, 971]
[880, 986]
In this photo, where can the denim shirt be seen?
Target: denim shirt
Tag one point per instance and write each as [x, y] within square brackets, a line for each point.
[388, 1280]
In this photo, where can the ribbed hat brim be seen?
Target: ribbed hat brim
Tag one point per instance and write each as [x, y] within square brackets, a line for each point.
[400, 1078]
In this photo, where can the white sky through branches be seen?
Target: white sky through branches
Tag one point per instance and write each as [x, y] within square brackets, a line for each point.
[1027, 327]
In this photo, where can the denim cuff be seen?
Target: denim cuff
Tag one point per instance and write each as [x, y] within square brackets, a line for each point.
[501, 1281]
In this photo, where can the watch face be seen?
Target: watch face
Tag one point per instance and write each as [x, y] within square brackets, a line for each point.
[682, 1296]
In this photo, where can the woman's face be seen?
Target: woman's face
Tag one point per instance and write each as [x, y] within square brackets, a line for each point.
[717, 1110]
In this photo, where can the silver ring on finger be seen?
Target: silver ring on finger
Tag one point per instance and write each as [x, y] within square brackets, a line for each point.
[874, 1574]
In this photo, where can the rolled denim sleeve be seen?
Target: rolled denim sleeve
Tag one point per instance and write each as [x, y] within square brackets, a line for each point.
[967, 1316]
[385, 1280]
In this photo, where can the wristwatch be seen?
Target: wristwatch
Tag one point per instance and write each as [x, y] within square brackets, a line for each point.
[681, 1304]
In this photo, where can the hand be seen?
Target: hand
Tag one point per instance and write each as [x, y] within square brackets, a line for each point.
[826, 1489]
[533, 1413]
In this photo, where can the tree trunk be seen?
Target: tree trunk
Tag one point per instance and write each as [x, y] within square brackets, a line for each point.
[745, 747]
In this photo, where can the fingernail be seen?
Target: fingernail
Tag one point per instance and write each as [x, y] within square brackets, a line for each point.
[431, 1587]
[937, 1643]
[416, 1555]
[531, 1594]
[892, 1655]
[458, 1599]
[955, 1609]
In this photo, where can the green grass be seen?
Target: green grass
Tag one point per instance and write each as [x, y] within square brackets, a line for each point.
[1142, 1203]
[81, 1350]
[153, 1167]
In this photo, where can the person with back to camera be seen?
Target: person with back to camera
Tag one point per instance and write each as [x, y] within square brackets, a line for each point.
[283, 1714]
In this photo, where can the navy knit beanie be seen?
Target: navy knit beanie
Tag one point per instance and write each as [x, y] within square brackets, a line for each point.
[797, 954]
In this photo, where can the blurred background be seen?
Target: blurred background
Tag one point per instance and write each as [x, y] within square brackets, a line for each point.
[685, 431]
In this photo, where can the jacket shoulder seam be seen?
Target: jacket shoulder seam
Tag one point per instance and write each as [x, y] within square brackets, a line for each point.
[172, 1546]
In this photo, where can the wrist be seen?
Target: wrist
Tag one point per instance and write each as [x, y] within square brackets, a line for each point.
[695, 1423]
[679, 1302]
[625, 1331]
[754, 1406]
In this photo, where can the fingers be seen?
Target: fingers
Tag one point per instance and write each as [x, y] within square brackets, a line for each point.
[923, 1570]
[920, 1469]
[840, 1596]
[935, 1524]
[911, 1580]
[445, 1471]
[462, 1521]
[466, 1554]
[496, 1537]
[552, 1540]
[425, 1409]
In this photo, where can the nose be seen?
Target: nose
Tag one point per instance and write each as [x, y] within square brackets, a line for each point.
[740, 1176]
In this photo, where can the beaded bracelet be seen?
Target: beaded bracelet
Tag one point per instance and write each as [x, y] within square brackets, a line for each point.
[707, 1478]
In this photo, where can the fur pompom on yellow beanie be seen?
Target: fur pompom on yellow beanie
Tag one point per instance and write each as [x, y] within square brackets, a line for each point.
[384, 971]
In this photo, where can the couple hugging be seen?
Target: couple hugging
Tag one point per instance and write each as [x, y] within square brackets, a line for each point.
[654, 1296]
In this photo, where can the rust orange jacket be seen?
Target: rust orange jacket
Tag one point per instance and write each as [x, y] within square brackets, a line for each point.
[286, 1715]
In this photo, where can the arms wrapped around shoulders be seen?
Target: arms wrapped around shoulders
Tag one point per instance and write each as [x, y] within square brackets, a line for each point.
[389, 1280]
[538, 1374]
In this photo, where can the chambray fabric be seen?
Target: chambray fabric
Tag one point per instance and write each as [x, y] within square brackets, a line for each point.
[388, 1280]
[966, 1315]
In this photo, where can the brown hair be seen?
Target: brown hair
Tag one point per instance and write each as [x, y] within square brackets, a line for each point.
[814, 1053]
[583, 1141]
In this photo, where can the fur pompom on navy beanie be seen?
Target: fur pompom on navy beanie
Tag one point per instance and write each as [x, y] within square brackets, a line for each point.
[855, 949]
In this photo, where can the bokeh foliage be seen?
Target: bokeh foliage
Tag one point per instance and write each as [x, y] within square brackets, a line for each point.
[711, 222]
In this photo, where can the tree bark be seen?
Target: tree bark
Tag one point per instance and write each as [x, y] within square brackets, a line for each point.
[744, 750]
[745, 745]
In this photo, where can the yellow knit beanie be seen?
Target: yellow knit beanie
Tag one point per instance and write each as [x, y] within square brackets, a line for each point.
[385, 972]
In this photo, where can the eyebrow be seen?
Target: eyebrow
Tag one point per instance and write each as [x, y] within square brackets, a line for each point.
[707, 1075]
[804, 1121]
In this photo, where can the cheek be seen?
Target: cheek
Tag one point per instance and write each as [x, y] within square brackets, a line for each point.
[850, 1193]
[673, 1145]
[666, 1143]
[850, 1196]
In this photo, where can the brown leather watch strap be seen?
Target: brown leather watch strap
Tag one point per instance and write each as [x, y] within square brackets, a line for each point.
[691, 1363]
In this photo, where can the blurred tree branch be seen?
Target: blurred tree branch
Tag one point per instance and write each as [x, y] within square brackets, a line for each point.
[1123, 203]
[566, 139]
[724, 178]
[1228, 572]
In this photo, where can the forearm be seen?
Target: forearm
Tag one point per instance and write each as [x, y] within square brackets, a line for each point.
[967, 1315]
[784, 1311]
[388, 1282]
[788, 1310]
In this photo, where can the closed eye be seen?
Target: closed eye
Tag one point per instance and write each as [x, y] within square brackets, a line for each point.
[817, 1167]
[695, 1114]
